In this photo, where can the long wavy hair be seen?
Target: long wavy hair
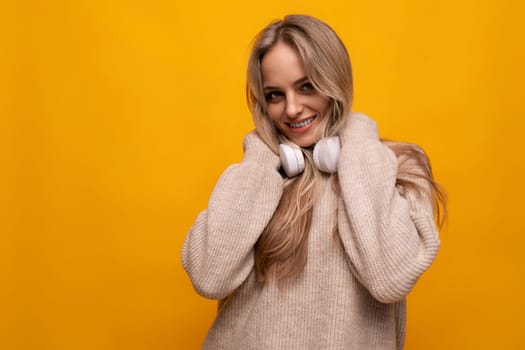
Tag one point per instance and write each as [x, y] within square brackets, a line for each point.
[281, 251]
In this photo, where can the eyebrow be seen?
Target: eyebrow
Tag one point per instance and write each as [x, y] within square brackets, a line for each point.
[297, 82]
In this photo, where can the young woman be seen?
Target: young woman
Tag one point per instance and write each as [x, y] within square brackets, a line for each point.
[315, 239]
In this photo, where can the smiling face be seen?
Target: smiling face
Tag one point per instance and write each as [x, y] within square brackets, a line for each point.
[293, 104]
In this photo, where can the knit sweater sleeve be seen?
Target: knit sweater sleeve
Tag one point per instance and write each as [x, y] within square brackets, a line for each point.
[218, 252]
[390, 239]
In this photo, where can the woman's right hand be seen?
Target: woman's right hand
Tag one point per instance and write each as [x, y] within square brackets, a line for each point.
[255, 150]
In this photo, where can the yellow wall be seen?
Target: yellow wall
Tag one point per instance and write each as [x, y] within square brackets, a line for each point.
[117, 117]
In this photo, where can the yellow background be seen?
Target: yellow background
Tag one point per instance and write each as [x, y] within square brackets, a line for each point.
[117, 117]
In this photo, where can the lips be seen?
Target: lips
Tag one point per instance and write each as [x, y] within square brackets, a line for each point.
[302, 123]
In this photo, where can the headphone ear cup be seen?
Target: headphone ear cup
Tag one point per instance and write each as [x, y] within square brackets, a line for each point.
[326, 154]
[292, 159]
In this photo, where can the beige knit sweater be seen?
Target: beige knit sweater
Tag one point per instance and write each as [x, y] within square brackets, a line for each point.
[352, 292]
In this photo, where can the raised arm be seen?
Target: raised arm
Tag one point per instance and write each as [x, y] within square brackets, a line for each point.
[390, 239]
[218, 253]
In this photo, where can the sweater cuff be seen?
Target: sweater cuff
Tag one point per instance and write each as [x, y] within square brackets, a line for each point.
[359, 128]
[255, 150]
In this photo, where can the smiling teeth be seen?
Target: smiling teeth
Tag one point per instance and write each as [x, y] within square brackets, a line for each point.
[303, 123]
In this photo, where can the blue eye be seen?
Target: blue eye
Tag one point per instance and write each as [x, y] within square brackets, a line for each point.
[273, 96]
[307, 87]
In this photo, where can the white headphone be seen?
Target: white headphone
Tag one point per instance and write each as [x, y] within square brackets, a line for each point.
[326, 155]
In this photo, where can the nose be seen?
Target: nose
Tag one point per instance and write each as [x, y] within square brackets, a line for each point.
[294, 107]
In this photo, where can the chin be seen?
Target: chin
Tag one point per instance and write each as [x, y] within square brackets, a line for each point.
[305, 143]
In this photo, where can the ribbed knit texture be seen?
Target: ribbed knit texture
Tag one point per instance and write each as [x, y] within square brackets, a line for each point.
[367, 247]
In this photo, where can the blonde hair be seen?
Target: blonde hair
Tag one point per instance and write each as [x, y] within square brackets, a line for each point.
[281, 251]
[326, 64]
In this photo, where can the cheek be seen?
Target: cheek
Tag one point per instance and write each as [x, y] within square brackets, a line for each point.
[275, 112]
[322, 105]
